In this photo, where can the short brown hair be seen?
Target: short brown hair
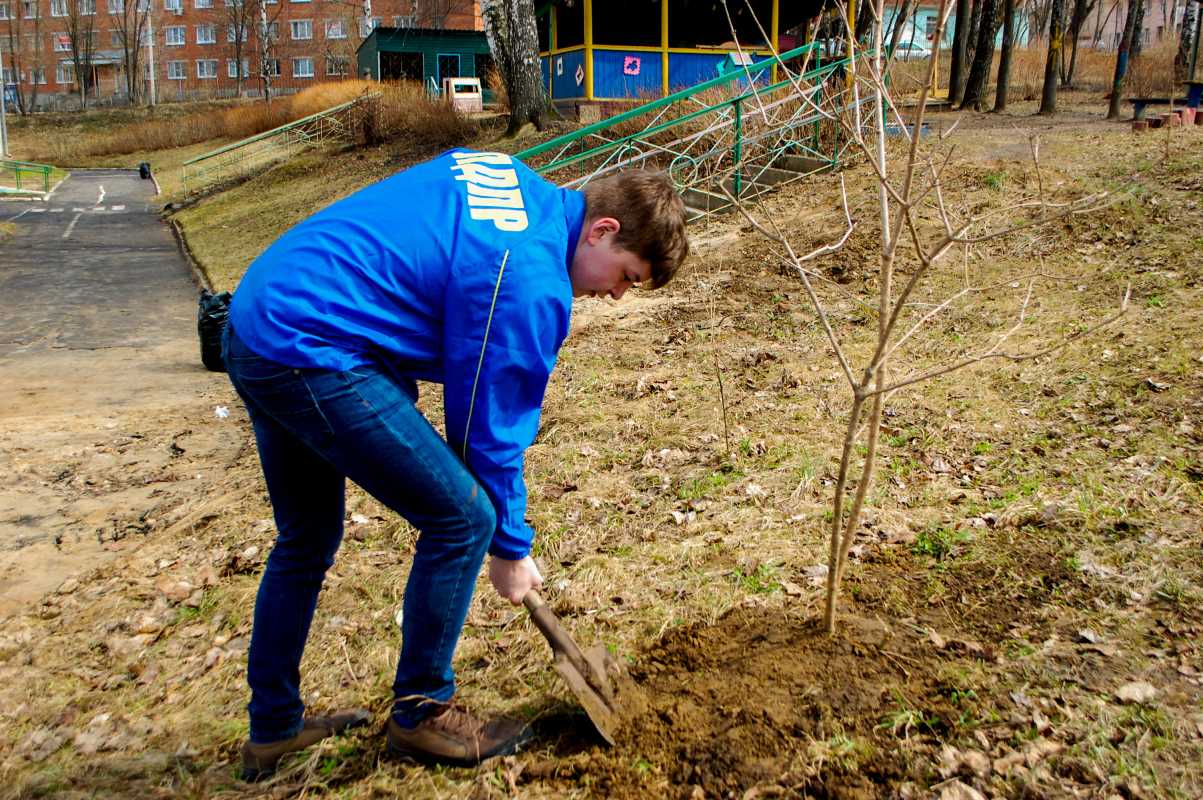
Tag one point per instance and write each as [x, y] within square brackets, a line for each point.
[650, 214]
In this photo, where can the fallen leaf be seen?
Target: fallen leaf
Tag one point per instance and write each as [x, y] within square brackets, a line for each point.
[792, 589]
[1140, 692]
[1155, 386]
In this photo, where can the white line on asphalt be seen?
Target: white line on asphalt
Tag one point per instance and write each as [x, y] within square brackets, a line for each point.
[96, 208]
[57, 210]
[100, 199]
[38, 209]
[71, 226]
[77, 209]
[18, 216]
[119, 208]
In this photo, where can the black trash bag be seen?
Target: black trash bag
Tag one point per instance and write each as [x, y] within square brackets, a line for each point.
[144, 170]
[211, 317]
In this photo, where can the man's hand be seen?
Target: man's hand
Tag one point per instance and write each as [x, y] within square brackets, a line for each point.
[513, 579]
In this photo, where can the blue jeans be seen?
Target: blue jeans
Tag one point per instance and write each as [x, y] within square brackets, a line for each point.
[314, 429]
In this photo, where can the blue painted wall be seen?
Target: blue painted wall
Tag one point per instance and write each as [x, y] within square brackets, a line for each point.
[610, 78]
[562, 68]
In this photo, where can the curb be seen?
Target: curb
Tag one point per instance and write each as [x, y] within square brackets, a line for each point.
[199, 274]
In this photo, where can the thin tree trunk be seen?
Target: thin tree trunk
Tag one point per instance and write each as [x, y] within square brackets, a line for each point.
[1081, 9]
[975, 24]
[1138, 33]
[1121, 59]
[1004, 59]
[983, 57]
[899, 24]
[958, 67]
[1056, 40]
[1185, 42]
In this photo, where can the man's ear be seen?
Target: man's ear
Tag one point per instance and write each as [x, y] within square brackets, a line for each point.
[600, 227]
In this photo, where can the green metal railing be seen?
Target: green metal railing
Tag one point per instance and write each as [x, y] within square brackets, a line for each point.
[730, 134]
[264, 149]
[19, 168]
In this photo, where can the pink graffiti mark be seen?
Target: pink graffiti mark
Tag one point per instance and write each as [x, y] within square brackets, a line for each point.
[630, 65]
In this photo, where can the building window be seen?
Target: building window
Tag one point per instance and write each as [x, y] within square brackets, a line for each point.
[175, 35]
[409, 21]
[302, 29]
[116, 38]
[29, 9]
[336, 29]
[58, 8]
[86, 7]
[8, 76]
[206, 68]
[62, 44]
[64, 73]
[176, 71]
[235, 35]
[929, 27]
[4, 13]
[203, 3]
[38, 76]
[206, 34]
[336, 65]
[116, 6]
[232, 68]
[176, 6]
[273, 67]
[302, 68]
[273, 31]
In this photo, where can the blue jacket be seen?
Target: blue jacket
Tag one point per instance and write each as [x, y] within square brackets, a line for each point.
[454, 271]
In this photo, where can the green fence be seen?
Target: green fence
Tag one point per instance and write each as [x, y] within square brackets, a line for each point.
[25, 176]
[738, 134]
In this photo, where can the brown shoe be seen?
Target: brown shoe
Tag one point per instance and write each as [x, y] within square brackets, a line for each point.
[454, 736]
[260, 760]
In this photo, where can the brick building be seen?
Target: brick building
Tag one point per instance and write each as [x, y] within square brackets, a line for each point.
[201, 48]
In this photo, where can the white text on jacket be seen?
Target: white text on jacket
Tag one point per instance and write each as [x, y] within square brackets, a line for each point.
[493, 192]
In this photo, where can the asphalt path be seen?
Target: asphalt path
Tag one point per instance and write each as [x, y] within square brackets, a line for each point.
[93, 267]
[106, 412]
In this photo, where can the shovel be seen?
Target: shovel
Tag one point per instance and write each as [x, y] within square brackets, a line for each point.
[590, 674]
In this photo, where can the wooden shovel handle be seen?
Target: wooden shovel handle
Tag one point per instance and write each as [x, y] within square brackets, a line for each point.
[551, 629]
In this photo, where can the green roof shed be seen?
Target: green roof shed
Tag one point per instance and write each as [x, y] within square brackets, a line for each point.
[423, 54]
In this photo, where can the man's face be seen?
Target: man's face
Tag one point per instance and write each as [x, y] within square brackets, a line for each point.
[600, 268]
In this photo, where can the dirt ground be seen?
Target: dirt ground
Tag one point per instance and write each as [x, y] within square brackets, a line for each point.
[1022, 614]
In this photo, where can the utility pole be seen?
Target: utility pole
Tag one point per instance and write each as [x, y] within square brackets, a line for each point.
[150, 21]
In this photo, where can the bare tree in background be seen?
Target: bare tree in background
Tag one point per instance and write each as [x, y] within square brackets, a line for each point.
[1185, 41]
[240, 21]
[267, 37]
[1122, 57]
[959, 65]
[919, 230]
[1081, 10]
[131, 23]
[514, 42]
[26, 54]
[1056, 40]
[983, 57]
[1004, 59]
[81, 33]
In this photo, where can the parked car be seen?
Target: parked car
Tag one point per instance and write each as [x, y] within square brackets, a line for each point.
[912, 51]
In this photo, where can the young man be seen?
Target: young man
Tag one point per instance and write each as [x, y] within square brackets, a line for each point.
[459, 271]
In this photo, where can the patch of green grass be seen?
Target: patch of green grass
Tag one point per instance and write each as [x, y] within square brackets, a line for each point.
[939, 543]
[709, 484]
[995, 180]
[905, 720]
[762, 580]
[1154, 301]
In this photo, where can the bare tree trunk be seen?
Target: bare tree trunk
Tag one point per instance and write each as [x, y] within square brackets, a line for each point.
[958, 67]
[514, 42]
[1082, 9]
[975, 25]
[1056, 40]
[1138, 33]
[1121, 59]
[1185, 43]
[1004, 59]
[899, 24]
[983, 57]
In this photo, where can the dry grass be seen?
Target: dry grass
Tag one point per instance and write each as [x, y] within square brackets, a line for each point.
[404, 110]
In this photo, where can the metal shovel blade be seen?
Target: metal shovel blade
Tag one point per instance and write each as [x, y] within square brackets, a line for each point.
[588, 674]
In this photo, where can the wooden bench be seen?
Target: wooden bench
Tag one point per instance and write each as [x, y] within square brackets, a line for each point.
[1139, 104]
